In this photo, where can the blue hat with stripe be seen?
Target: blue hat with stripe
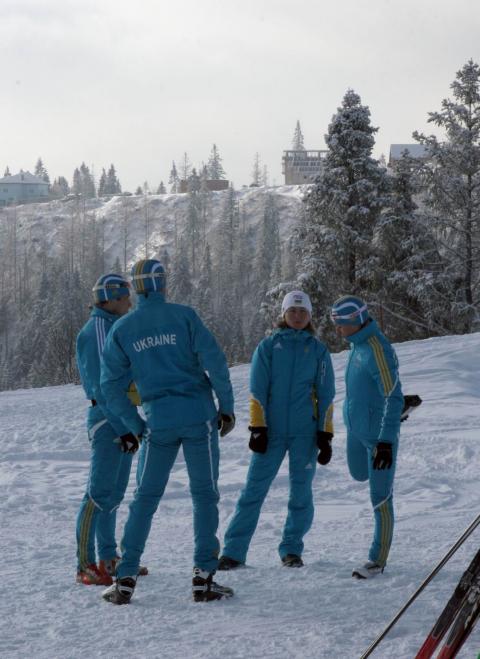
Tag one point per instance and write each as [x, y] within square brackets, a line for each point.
[349, 310]
[110, 287]
[148, 276]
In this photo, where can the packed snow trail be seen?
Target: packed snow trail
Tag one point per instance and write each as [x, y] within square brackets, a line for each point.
[317, 611]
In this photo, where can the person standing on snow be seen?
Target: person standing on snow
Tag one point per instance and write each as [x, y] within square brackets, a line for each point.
[166, 349]
[112, 444]
[372, 409]
[292, 388]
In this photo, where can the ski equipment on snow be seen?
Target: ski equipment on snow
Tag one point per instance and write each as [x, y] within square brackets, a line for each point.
[464, 622]
[449, 613]
[468, 531]
[410, 403]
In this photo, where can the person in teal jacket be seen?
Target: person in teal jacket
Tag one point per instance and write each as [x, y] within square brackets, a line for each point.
[167, 351]
[292, 388]
[372, 409]
[112, 444]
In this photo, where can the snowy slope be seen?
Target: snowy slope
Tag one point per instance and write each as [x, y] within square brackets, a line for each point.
[49, 225]
[318, 611]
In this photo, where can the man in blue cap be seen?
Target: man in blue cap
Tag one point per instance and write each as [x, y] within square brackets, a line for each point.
[112, 444]
[372, 409]
[167, 350]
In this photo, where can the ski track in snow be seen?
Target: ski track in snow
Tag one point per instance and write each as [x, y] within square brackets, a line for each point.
[317, 611]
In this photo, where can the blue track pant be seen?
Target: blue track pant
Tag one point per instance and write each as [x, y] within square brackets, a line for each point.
[302, 453]
[360, 461]
[200, 448]
[108, 480]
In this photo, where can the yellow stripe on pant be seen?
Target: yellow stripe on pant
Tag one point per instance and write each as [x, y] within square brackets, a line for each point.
[385, 532]
[85, 530]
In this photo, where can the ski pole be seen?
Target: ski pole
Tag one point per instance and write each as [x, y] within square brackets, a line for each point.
[425, 583]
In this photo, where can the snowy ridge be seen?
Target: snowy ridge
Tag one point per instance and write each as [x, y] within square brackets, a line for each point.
[44, 223]
[318, 611]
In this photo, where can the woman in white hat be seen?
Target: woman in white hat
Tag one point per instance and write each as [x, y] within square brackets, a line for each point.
[292, 388]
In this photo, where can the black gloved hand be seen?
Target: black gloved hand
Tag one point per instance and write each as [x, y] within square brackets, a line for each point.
[324, 443]
[129, 443]
[382, 456]
[226, 423]
[258, 439]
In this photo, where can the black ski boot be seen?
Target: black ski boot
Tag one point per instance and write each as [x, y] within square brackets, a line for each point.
[121, 592]
[227, 563]
[292, 560]
[205, 589]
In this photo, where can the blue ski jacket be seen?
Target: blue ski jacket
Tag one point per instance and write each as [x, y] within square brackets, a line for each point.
[90, 344]
[166, 350]
[373, 399]
[292, 384]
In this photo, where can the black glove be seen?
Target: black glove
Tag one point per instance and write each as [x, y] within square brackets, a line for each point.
[324, 443]
[382, 456]
[226, 423]
[258, 439]
[129, 443]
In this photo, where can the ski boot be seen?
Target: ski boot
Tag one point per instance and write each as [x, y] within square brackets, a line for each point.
[292, 560]
[368, 570]
[92, 576]
[205, 589]
[121, 592]
[227, 563]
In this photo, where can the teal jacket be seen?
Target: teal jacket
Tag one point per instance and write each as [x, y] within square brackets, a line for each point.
[292, 384]
[166, 350]
[90, 344]
[373, 398]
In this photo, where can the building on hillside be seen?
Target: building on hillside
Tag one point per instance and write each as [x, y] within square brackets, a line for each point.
[213, 185]
[416, 151]
[302, 166]
[22, 188]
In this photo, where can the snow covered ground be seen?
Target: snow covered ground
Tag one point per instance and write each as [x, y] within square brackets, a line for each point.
[318, 611]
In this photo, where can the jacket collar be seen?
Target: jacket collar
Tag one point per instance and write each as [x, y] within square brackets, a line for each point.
[153, 297]
[290, 333]
[365, 333]
[97, 312]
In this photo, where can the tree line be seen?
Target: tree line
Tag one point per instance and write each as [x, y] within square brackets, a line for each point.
[407, 240]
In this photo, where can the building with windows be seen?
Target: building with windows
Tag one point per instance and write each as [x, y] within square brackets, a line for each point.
[22, 188]
[301, 166]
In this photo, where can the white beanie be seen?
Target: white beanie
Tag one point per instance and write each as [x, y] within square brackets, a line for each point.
[296, 299]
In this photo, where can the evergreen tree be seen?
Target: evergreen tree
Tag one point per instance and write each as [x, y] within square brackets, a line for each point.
[204, 296]
[102, 184]
[139, 191]
[297, 142]
[215, 167]
[185, 168]
[193, 223]
[334, 239]
[180, 281]
[83, 182]
[452, 179]
[266, 268]
[411, 283]
[60, 187]
[112, 184]
[264, 180]
[256, 171]
[7, 172]
[41, 171]
[161, 188]
[174, 179]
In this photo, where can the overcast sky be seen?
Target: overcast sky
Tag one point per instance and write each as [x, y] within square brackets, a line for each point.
[139, 83]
